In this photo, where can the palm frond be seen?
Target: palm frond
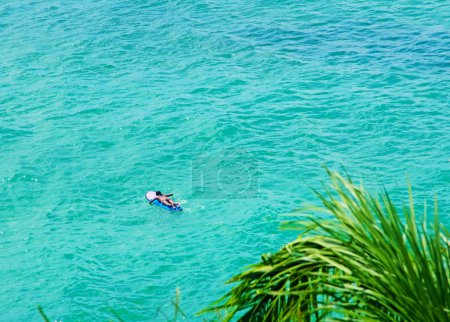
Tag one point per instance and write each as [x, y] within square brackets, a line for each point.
[369, 262]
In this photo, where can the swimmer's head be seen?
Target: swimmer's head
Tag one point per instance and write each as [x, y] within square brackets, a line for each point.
[158, 193]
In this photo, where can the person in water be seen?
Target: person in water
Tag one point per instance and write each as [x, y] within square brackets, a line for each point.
[165, 200]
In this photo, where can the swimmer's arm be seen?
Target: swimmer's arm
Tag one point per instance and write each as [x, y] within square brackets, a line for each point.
[156, 198]
[169, 195]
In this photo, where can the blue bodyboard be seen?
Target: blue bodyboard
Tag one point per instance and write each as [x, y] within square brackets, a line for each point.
[157, 203]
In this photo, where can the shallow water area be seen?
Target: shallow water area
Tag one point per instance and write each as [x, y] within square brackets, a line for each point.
[239, 102]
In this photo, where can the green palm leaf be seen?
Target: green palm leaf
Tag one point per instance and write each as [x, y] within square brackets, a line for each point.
[367, 262]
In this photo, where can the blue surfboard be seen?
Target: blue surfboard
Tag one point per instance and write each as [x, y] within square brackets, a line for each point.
[151, 196]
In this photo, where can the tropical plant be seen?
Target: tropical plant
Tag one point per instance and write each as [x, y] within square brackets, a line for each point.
[178, 312]
[360, 259]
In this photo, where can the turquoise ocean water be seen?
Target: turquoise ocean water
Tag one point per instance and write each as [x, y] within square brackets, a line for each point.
[239, 101]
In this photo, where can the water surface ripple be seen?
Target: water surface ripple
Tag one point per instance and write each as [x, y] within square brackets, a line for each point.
[101, 101]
